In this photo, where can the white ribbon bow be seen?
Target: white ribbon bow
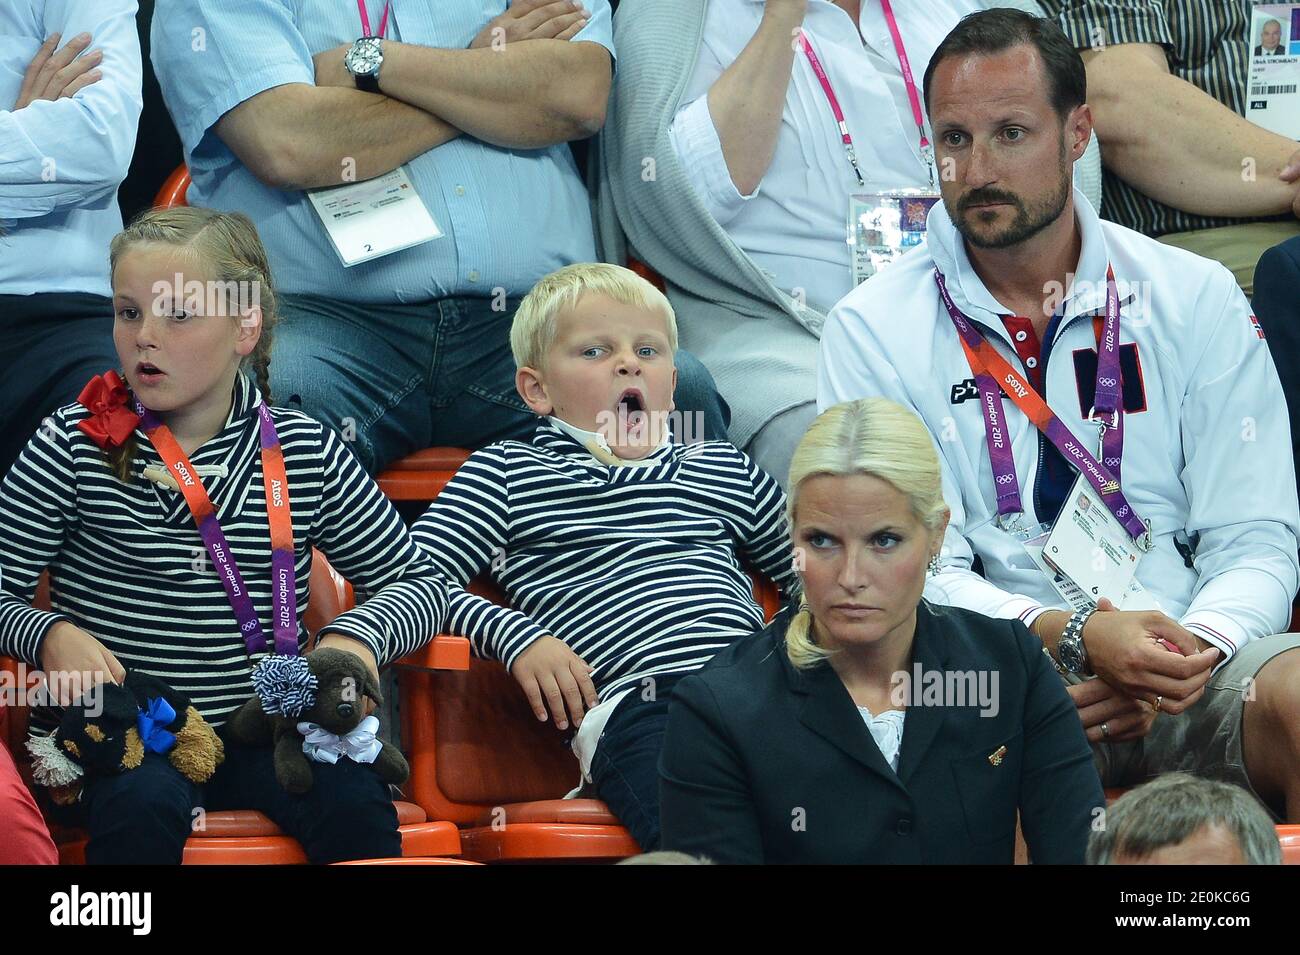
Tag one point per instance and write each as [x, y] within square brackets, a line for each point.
[361, 745]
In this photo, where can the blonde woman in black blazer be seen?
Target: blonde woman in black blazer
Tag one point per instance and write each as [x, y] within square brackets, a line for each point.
[865, 724]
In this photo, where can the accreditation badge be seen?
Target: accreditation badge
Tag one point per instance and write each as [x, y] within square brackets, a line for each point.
[365, 220]
[1273, 98]
[1091, 548]
[884, 225]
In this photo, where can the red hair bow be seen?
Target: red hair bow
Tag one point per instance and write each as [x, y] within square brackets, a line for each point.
[105, 398]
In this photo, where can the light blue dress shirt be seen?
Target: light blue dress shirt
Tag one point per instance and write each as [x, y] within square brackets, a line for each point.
[61, 161]
[509, 215]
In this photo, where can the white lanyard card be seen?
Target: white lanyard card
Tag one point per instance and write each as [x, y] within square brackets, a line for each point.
[1273, 99]
[884, 225]
[365, 220]
[1091, 547]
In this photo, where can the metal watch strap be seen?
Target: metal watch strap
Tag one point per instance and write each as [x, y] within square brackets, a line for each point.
[1073, 633]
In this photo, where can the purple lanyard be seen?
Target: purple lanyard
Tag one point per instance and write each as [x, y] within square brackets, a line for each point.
[284, 594]
[1106, 400]
[365, 18]
[985, 361]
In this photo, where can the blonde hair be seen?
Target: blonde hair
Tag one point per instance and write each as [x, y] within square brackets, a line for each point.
[872, 436]
[227, 245]
[533, 330]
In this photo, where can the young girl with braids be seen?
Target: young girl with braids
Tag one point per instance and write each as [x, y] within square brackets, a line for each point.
[97, 498]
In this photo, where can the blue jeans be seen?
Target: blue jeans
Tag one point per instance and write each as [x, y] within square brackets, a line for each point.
[625, 766]
[395, 378]
[50, 346]
[144, 815]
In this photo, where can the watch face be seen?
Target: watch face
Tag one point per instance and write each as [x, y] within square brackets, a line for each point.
[1068, 650]
[364, 57]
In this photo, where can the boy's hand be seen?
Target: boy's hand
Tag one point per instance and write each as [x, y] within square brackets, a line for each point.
[74, 661]
[551, 673]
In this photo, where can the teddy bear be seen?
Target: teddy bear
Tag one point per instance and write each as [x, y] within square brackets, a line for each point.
[109, 729]
[311, 708]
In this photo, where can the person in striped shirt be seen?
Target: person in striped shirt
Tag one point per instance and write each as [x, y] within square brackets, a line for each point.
[622, 552]
[96, 497]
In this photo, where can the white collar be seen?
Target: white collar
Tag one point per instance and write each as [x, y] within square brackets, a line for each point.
[599, 448]
[1087, 291]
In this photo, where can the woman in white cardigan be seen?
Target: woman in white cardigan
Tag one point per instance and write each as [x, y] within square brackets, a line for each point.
[724, 165]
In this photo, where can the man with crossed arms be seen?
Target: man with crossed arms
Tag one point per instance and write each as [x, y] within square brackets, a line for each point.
[276, 97]
[1201, 684]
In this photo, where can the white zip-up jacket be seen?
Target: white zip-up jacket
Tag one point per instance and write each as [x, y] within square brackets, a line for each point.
[1209, 459]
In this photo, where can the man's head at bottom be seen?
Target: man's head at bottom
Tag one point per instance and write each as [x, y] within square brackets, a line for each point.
[1179, 819]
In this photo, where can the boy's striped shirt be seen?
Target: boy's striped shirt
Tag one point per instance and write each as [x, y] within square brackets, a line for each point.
[638, 569]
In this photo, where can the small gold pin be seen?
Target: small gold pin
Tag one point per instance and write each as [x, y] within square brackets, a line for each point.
[995, 757]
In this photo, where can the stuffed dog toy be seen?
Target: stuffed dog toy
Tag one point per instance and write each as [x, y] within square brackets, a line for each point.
[311, 708]
[110, 728]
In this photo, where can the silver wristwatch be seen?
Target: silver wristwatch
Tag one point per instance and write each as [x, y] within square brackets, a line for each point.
[363, 62]
[1070, 649]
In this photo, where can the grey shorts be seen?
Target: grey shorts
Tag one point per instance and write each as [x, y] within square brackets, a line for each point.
[1206, 739]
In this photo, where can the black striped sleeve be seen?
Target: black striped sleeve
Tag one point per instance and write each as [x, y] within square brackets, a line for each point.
[766, 541]
[464, 532]
[402, 602]
[38, 503]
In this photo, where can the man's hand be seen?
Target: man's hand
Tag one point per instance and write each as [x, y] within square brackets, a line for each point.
[330, 70]
[52, 75]
[533, 20]
[551, 673]
[74, 661]
[1124, 649]
[1098, 702]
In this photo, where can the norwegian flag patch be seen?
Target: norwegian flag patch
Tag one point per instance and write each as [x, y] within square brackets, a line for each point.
[1259, 329]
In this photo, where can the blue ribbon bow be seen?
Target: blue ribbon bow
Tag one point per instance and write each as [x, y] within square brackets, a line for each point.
[151, 721]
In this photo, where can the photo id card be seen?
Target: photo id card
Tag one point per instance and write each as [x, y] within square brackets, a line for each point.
[884, 225]
[365, 220]
[1089, 546]
[1273, 97]
[1135, 598]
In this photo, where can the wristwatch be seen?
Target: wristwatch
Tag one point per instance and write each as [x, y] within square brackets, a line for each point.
[1070, 649]
[363, 62]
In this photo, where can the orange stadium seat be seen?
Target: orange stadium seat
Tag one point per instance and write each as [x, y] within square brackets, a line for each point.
[647, 273]
[174, 189]
[424, 860]
[480, 758]
[244, 837]
[420, 476]
[1289, 836]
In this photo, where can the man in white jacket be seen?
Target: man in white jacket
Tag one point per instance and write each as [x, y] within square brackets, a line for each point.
[1200, 425]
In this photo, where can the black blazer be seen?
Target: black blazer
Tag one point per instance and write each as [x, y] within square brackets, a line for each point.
[765, 763]
[1277, 306]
